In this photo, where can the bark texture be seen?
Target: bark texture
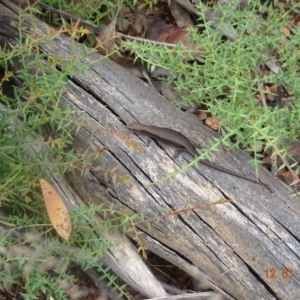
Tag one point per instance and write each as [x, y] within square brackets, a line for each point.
[230, 246]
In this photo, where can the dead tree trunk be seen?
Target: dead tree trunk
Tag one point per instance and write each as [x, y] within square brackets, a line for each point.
[235, 246]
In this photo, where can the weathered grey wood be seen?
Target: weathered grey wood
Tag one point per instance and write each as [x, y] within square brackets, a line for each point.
[234, 243]
[123, 257]
[132, 267]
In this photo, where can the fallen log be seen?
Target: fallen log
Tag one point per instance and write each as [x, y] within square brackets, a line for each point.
[236, 247]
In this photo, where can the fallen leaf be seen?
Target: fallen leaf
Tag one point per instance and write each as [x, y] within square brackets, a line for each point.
[273, 88]
[139, 25]
[213, 123]
[56, 209]
[202, 115]
[174, 35]
[294, 151]
[106, 39]
[286, 176]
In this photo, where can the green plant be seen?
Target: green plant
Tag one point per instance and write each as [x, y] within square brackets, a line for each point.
[30, 249]
[32, 255]
[225, 79]
[87, 10]
[31, 89]
[221, 81]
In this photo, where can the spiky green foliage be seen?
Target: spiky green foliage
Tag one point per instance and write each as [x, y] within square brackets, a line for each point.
[226, 78]
[32, 255]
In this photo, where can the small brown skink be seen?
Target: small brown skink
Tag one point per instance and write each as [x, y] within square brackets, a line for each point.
[178, 139]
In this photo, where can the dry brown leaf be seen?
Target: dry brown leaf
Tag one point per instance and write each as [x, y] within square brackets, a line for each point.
[106, 39]
[286, 31]
[174, 35]
[286, 176]
[273, 89]
[139, 25]
[213, 123]
[202, 115]
[56, 209]
[294, 151]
